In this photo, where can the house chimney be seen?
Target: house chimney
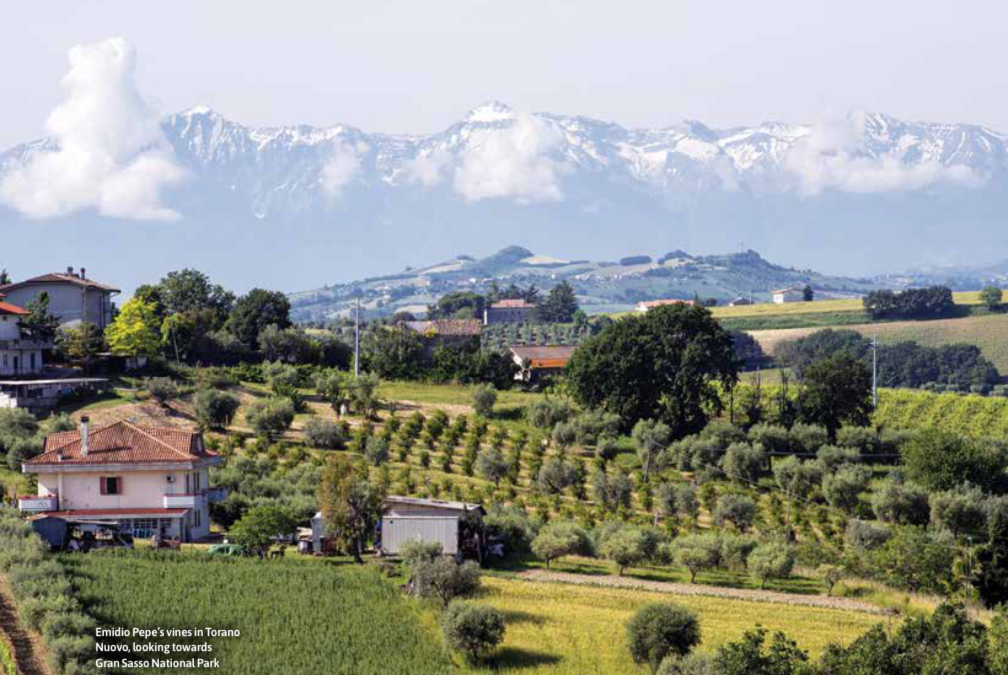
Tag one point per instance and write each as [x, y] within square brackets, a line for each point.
[82, 273]
[84, 424]
[70, 270]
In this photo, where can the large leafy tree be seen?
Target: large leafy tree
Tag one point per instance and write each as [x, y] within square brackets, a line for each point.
[135, 330]
[261, 524]
[350, 502]
[660, 366]
[39, 324]
[837, 390]
[190, 290]
[256, 310]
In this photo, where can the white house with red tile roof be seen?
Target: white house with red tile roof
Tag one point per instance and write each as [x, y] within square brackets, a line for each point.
[144, 479]
[17, 356]
[645, 305]
[72, 296]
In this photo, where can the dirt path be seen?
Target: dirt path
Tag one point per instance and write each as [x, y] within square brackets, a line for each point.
[27, 651]
[710, 591]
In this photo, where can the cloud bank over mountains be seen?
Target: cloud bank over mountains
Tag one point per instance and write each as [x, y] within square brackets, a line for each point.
[108, 151]
[306, 205]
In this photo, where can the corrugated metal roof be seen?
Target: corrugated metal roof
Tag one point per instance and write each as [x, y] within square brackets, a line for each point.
[124, 443]
[553, 356]
[433, 503]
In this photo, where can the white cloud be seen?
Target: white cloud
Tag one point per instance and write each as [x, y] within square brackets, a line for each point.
[342, 166]
[110, 152]
[514, 162]
[428, 170]
[833, 156]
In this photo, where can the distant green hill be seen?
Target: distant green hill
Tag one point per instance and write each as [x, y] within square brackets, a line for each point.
[601, 286]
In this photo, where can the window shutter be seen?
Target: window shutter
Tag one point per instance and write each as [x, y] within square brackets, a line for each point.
[119, 485]
[102, 486]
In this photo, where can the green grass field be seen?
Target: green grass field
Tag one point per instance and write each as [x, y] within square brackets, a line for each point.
[989, 332]
[294, 617]
[817, 307]
[561, 629]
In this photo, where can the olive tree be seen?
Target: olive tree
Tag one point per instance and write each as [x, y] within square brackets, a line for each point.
[771, 561]
[560, 538]
[843, 487]
[659, 630]
[472, 629]
[696, 552]
[901, 503]
[739, 510]
[484, 396]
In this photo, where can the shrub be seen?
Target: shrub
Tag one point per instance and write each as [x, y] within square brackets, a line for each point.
[832, 457]
[270, 418]
[376, 450]
[807, 437]
[659, 630]
[691, 664]
[491, 464]
[865, 536]
[866, 441]
[547, 412]
[901, 503]
[560, 538]
[484, 396]
[215, 409]
[797, 478]
[324, 433]
[163, 389]
[472, 629]
[771, 561]
[739, 510]
[941, 460]
[959, 509]
[443, 579]
[831, 575]
[843, 487]
[414, 553]
[743, 463]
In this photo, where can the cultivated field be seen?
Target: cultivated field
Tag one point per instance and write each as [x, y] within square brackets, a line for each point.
[294, 618]
[989, 332]
[561, 629]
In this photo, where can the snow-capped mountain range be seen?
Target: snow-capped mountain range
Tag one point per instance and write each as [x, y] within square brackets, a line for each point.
[295, 207]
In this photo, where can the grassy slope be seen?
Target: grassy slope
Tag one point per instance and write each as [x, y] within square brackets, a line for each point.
[559, 629]
[987, 331]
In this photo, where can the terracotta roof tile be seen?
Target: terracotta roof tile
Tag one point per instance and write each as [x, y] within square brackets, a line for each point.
[57, 278]
[7, 308]
[125, 443]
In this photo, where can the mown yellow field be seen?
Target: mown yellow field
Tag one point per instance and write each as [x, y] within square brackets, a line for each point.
[818, 306]
[563, 629]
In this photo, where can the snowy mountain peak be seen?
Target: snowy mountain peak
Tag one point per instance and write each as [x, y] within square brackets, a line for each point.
[491, 111]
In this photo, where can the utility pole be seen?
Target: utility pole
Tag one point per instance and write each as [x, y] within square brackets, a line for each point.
[356, 356]
[874, 370]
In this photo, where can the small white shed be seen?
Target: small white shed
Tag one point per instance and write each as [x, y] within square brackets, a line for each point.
[427, 520]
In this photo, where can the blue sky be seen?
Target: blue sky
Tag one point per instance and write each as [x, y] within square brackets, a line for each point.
[406, 66]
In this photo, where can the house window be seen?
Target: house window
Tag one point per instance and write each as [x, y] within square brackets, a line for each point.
[110, 485]
[196, 482]
[197, 518]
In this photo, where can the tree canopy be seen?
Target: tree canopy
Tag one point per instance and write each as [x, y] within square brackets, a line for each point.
[662, 365]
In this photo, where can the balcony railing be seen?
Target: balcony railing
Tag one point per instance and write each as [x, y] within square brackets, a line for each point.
[25, 344]
[184, 501]
[38, 503]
